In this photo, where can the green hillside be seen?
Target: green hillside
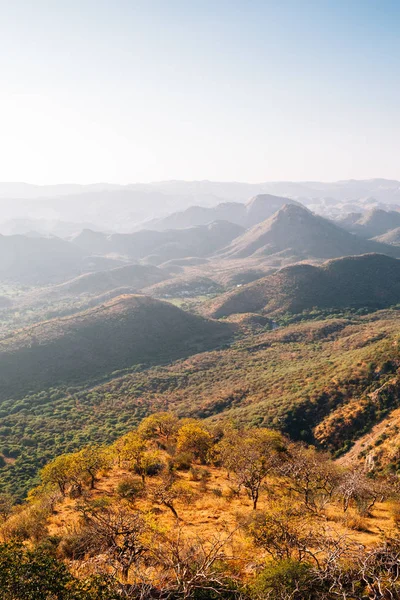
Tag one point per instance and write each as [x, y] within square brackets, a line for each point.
[124, 332]
[370, 280]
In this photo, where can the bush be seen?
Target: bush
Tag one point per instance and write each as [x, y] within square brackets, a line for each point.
[75, 545]
[182, 461]
[285, 579]
[129, 489]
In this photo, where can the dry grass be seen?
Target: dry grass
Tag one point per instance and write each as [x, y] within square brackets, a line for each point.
[210, 514]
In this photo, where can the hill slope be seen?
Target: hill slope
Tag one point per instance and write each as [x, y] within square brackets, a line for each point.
[121, 333]
[371, 280]
[390, 237]
[161, 246]
[132, 277]
[296, 231]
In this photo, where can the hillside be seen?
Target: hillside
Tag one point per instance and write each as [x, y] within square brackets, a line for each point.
[292, 378]
[298, 233]
[370, 280]
[133, 277]
[124, 332]
[184, 509]
[160, 246]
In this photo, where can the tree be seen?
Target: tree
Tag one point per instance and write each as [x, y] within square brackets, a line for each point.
[310, 474]
[33, 574]
[191, 567]
[251, 455]
[59, 472]
[89, 461]
[140, 460]
[194, 438]
[161, 426]
[114, 532]
[356, 487]
[169, 490]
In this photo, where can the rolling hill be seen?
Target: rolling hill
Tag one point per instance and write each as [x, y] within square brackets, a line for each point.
[160, 246]
[296, 232]
[132, 277]
[127, 331]
[371, 280]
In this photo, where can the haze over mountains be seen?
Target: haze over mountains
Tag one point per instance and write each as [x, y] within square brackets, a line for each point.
[111, 207]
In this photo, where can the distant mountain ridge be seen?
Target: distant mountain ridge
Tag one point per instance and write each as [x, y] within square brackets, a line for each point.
[299, 233]
[161, 246]
[257, 209]
[373, 223]
[371, 280]
[125, 208]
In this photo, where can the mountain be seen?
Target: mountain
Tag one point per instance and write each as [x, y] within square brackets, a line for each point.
[257, 209]
[371, 280]
[127, 331]
[373, 223]
[298, 233]
[161, 246]
[263, 206]
[194, 216]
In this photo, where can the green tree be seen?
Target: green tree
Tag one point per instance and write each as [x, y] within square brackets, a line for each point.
[194, 438]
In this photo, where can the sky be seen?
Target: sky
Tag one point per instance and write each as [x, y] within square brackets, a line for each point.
[129, 91]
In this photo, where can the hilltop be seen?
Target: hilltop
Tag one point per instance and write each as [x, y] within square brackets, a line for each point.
[127, 331]
[371, 280]
[296, 232]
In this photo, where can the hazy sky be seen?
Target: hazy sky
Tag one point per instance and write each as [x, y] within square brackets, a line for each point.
[125, 90]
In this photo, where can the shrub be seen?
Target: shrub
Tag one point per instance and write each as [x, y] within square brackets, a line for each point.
[129, 489]
[182, 461]
[282, 580]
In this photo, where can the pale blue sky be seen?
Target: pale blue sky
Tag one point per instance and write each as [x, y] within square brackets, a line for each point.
[125, 91]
